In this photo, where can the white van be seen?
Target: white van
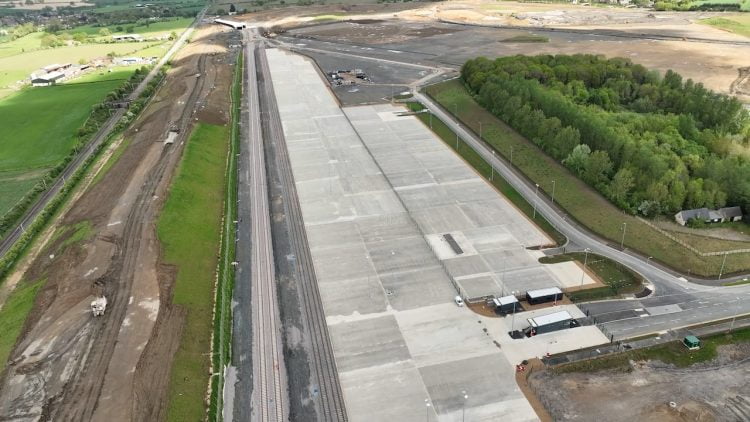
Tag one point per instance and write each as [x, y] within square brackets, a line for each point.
[459, 301]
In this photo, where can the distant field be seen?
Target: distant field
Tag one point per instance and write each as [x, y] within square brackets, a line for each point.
[19, 66]
[738, 24]
[34, 140]
[195, 201]
[580, 201]
[156, 28]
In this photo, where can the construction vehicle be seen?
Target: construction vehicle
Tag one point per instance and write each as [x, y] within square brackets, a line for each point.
[98, 306]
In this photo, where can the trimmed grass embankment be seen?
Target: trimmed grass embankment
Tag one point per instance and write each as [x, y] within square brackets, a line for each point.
[189, 229]
[674, 353]
[737, 24]
[13, 315]
[579, 201]
[484, 169]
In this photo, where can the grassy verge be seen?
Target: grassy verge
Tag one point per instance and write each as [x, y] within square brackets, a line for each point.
[580, 202]
[526, 38]
[222, 336]
[481, 166]
[616, 277]
[674, 353]
[737, 283]
[13, 314]
[737, 24]
[189, 229]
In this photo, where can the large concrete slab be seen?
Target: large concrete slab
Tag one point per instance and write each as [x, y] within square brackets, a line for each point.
[373, 199]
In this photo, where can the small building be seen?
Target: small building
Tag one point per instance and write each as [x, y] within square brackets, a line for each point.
[544, 295]
[506, 304]
[127, 61]
[550, 322]
[128, 37]
[232, 24]
[692, 342]
[709, 216]
[47, 79]
[56, 67]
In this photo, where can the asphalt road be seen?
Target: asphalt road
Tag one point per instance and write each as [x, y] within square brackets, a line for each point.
[31, 214]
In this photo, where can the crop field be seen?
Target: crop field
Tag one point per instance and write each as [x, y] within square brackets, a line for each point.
[34, 141]
[196, 202]
[579, 201]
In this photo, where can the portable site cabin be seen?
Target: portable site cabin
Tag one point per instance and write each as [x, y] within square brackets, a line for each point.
[550, 322]
[692, 342]
[544, 295]
[506, 304]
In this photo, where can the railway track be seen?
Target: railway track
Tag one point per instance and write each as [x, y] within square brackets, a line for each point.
[322, 363]
[269, 400]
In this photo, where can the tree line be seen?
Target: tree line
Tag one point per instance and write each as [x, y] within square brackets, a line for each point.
[651, 144]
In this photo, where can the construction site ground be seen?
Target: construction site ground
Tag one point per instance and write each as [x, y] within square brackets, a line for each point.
[68, 365]
[652, 391]
[448, 34]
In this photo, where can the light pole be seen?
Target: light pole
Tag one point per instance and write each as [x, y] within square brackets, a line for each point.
[585, 262]
[492, 168]
[463, 410]
[536, 199]
[553, 192]
[622, 241]
[430, 117]
[480, 129]
[721, 271]
[427, 405]
[511, 155]
[648, 259]
[513, 317]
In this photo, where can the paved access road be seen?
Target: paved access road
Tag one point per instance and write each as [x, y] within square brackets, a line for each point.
[31, 214]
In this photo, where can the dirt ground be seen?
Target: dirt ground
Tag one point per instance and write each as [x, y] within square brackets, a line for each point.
[68, 365]
[712, 391]
[658, 40]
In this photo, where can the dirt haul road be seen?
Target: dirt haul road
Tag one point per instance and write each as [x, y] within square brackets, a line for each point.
[69, 366]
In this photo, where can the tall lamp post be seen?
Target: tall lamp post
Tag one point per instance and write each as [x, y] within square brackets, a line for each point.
[463, 409]
[585, 262]
[553, 192]
[427, 405]
[536, 199]
[622, 241]
[492, 168]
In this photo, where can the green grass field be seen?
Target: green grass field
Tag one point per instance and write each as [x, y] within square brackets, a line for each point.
[34, 141]
[578, 199]
[738, 24]
[13, 314]
[189, 230]
[19, 66]
[154, 29]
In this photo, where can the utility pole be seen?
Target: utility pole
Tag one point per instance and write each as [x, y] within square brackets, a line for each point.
[585, 262]
[536, 199]
[511, 155]
[430, 117]
[492, 168]
[463, 410]
[721, 271]
[622, 241]
[480, 129]
[553, 192]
